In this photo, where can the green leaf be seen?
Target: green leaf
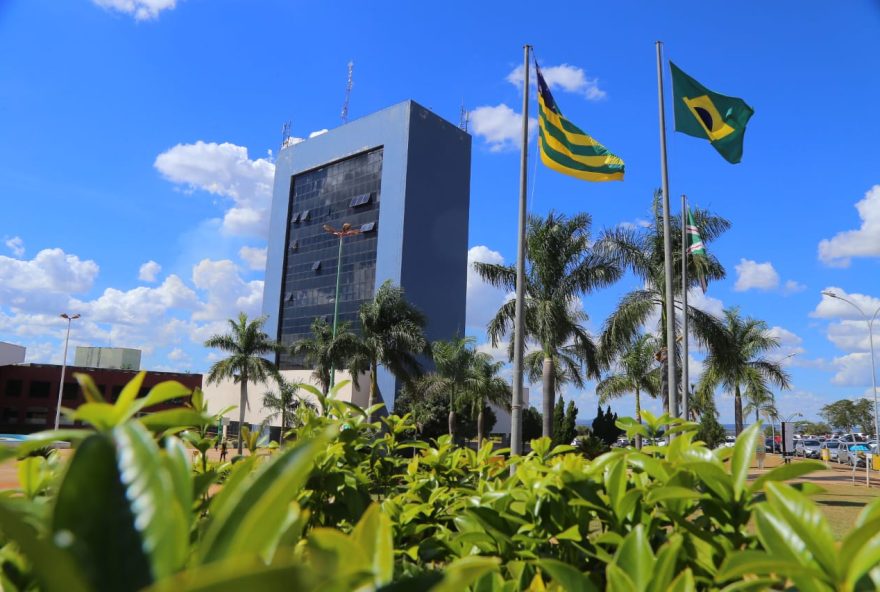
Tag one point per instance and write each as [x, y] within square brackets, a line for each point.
[860, 551]
[667, 559]
[683, 583]
[90, 391]
[160, 515]
[567, 576]
[251, 518]
[47, 438]
[55, 569]
[171, 418]
[671, 492]
[94, 519]
[178, 468]
[129, 393]
[786, 472]
[333, 554]
[743, 451]
[240, 574]
[805, 518]
[570, 534]
[99, 415]
[373, 534]
[760, 563]
[634, 556]
[33, 475]
[464, 571]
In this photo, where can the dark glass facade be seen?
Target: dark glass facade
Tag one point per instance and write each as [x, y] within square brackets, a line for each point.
[344, 191]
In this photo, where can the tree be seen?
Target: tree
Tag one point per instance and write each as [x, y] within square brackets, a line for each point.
[864, 415]
[431, 414]
[485, 386]
[454, 362]
[762, 402]
[392, 335]
[532, 424]
[561, 266]
[559, 421]
[637, 374]
[847, 414]
[605, 426]
[739, 363]
[711, 432]
[640, 250]
[322, 352]
[285, 404]
[569, 424]
[246, 343]
[812, 427]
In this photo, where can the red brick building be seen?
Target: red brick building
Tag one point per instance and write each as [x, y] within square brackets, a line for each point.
[29, 392]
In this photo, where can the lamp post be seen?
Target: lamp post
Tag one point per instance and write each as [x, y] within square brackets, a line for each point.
[69, 318]
[870, 322]
[340, 233]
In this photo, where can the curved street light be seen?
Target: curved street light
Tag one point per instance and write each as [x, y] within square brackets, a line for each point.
[69, 318]
[340, 233]
[870, 321]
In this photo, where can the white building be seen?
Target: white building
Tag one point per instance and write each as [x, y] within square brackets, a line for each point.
[111, 358]
[11, 353]
[502, 416]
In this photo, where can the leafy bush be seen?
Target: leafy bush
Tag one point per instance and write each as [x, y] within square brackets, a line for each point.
[354, 505]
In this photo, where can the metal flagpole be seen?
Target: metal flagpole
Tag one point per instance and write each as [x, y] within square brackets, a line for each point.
[685, 385]
[518, 346]
[667, 245]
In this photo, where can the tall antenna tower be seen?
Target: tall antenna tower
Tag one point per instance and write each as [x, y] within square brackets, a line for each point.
[464, 117]
[285, 133]
[348, 85]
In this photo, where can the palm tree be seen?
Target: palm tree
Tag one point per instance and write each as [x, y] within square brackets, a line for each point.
[637, 374]
[247, 344]
[323, 352]
[761, 401]
[285, 404]
[484, 387]
[640, 250]
[454, 363]
[739, 363]
[392, 335]
[561, 266]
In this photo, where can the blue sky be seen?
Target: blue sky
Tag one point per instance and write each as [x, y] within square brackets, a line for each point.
[138, 139]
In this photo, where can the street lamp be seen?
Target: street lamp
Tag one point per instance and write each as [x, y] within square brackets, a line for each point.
[870, 322]
[69, 318]
[340, 233]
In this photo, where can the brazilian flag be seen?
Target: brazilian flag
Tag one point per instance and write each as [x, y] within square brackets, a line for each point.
[701, 113]
[566, 148]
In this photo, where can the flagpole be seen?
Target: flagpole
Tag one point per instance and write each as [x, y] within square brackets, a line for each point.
[518, 328]
[667, 246]
[685, 385]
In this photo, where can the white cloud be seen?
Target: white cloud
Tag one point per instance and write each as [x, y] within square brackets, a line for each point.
[483, 299]
[566, 77]
[148, 271]
[850, 335]
[226, 292]
[751, 274]
[834, 308]
[792, 287]
[790, 345]
[141, 10]
[864, 242]
[500, 126]
[16, 245]
[138, 306]
[224, 169]
[637, 223]
[853, 369]
[700, 301]
[255, 257]
[45, 281]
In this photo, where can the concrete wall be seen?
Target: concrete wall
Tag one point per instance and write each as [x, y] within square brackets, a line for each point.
[11, 353]
[118, 358]
[229, 393]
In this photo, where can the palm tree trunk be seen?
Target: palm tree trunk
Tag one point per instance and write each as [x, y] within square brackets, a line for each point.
[374, 387]
[549, 397]
[738, 410]
[241, 405]
[480, 426]
[451, 418]
[638, 419]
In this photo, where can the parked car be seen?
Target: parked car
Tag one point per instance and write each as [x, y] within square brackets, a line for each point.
[831, 445]
[852, 453]
[771, 446]
[807, 448]
[729, 442]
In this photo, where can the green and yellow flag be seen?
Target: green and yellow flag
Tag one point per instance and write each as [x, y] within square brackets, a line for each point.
[566, 148]
[701, 113]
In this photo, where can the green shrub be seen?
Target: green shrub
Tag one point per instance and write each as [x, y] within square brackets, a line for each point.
[353, 505]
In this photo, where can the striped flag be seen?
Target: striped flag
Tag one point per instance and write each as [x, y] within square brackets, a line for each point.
[566, 148]
[696, 247]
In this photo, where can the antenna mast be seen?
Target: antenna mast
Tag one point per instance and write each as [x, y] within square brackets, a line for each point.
[464, 117]
[348, 85]
[285, 133]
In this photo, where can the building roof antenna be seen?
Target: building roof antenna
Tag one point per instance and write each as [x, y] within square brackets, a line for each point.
[285, 133]
[464, 117]
[349, 83]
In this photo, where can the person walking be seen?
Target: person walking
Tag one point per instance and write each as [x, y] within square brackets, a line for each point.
[223, 451]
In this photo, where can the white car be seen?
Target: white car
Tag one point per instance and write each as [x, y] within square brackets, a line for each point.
[852, 453]
[729, 442]
[807, 448]
[831, 445]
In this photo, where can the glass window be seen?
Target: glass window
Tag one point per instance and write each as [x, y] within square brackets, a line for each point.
[36, 416]
[328, 193]
[10, 415]
[13, 387]
[71, 390]
[368, 227]
[39, 389]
